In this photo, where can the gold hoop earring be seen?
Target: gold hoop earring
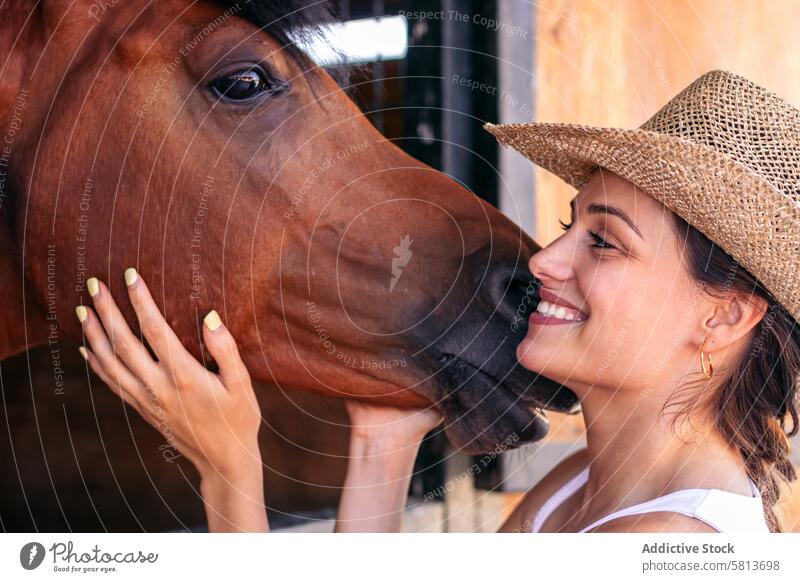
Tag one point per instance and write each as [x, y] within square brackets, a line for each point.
[707, 372]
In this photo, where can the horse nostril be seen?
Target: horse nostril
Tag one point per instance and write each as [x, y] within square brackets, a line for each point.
[512, 291]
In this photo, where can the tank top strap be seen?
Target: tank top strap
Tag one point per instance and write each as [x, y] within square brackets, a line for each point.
[684, 502]
[559, 497]
[724, 511]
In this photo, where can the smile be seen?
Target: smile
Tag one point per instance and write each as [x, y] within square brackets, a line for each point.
[553, 311]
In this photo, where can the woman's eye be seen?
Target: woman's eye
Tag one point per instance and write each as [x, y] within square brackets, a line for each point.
[244, 85]
[599, 241]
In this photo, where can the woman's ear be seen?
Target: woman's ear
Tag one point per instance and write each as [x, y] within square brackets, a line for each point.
[734, 317]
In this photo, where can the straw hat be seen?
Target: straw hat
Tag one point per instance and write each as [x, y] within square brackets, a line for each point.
[724, 154]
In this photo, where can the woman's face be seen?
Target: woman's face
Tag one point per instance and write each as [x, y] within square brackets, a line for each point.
[638, 310]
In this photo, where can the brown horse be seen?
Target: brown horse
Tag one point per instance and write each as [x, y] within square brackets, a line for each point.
[193, 140]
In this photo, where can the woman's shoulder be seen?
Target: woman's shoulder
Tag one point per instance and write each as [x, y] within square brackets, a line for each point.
[521, 519]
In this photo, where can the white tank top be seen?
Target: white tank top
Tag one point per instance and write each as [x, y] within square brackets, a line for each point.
[725, 511]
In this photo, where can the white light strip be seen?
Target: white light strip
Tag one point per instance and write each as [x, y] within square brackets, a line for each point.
[359, 41]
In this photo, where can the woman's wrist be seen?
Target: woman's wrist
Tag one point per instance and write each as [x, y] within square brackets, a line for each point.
[383, 447]
[385, 454]
[234, 497]
[391, 456]
[375, 490]
[240, 460]
[235, 506]
[385, 441]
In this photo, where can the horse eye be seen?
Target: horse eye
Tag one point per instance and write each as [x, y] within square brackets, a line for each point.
[244, 85]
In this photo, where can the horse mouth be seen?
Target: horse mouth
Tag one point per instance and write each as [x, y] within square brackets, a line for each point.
[462, 366]
[485, 409]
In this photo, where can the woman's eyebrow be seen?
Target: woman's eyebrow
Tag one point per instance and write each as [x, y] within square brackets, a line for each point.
[605, 209]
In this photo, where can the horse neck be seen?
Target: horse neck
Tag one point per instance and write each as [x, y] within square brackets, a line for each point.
[23, 323]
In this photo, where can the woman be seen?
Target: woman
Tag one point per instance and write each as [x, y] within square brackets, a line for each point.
[669, 305]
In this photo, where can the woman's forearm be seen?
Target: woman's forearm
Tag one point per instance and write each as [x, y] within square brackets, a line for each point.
[235, 502]
[376, 486]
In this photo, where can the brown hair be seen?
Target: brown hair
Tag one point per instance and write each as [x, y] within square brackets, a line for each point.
[753, 400]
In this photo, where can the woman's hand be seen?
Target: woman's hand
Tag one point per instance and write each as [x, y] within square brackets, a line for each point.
[212, 419]
[372, 422]
[383, 446]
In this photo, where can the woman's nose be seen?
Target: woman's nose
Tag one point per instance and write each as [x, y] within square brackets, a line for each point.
[552, 262]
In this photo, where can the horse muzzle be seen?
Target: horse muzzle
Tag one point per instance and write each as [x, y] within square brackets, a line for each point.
[487, 398]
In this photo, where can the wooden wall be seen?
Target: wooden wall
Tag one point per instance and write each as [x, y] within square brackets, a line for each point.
[616, 62]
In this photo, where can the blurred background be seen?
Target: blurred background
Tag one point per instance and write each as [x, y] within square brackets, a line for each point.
[428, 75]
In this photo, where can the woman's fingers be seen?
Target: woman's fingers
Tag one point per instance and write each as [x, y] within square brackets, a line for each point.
[117, 340]
[166, 345]
[123, 342]
[115, 387]
[103, 360]
[211, 424]
[222, 347]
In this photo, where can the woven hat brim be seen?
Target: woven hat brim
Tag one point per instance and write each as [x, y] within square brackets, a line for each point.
[727, 201]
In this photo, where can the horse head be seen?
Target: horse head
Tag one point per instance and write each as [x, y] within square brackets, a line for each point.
[196, 142]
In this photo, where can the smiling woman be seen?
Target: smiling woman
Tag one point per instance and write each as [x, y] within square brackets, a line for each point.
[670, 307]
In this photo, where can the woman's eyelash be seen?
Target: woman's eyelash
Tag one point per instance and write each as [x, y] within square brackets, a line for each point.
[599, 241]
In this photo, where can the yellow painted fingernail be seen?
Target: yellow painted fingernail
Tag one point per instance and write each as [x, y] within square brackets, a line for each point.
[212, 320]
[93, 285]
[82, 313]
[131, 276]
[83, 352]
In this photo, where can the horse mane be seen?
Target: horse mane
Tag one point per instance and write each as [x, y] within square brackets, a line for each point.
[287, 21]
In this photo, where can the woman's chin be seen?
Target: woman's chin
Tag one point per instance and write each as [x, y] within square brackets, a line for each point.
[531, 356]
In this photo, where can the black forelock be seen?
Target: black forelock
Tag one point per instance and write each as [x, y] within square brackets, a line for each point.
[286, 21]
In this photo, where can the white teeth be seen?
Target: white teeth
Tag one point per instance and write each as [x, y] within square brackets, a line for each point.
[557, 311]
